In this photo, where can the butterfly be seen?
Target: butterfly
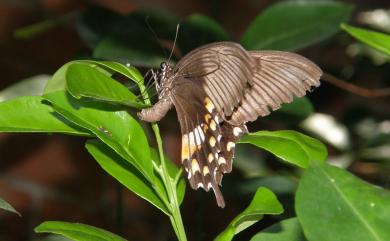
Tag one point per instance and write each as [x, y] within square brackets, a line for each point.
[215, 90]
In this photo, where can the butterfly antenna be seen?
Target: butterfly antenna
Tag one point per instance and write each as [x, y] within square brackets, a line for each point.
[174, 42]
[155, 35]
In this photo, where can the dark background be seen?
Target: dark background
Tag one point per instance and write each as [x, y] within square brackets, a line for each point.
[52, 177]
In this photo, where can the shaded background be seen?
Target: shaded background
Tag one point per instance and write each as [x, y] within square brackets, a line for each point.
[52, 177]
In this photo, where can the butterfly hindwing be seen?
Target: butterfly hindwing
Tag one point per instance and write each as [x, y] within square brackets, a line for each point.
[207, 141]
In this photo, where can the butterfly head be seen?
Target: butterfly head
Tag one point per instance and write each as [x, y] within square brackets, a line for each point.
[164, 79]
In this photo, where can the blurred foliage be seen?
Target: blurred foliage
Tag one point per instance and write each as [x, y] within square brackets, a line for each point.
[6, 206]
[288, 229]
[292, 25]
[379, 41]
[85, 98]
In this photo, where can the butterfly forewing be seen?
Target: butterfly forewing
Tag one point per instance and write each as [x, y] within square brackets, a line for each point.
[224, 70]
[278, 77]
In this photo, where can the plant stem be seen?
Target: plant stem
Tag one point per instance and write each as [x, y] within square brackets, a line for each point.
[169, 183]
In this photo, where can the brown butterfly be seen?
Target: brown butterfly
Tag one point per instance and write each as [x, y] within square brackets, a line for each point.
[216, 89]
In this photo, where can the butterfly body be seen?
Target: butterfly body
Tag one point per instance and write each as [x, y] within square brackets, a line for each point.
[215, 90]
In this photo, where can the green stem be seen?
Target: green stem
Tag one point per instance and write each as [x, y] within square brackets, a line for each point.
[169, 183]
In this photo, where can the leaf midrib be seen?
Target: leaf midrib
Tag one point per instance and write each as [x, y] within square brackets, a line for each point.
[354, 210]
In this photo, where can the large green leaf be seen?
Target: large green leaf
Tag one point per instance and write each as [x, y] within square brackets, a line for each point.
[332, 204]
[377, 40]
[115, 127]
[264, 202]
[197, 30]
[291, 25]
[290, 146]
[125, 173]
[144, 51]
[83, 80]
[95, 22]
[77, 231]
[58, 80]
[6, 206]
[286, 230]
[131, 40]
[29, 114]
[128, 71]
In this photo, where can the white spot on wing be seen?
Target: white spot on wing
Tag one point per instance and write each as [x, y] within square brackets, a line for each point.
[191, 137]
[216, 119]
[194, 166]
[212, 141]
[230, 146]
[221, 160]
[200, 132]
[213, 125]
[210, 157]
[208, 104]
[205, 170]
[237, 131]
[197, 137]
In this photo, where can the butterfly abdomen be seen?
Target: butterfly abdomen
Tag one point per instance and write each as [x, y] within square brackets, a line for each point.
[156, 112]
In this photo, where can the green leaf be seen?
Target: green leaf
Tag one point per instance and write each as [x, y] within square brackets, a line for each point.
[6, 206]
[77, 231]
[144, 51]
[85, 81]
[115, 127]
[299, 108]
[95, 22]
[39, 28]
[130, 72]
[332, 204]
[131, 40]
[197, 30]
[264, 202]
[58, 80]
[292, 25]
[377, 40]
[125, 173]
[286, 230]
[290, 146]
[31, 86]
[296, 111]
[29, 114]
